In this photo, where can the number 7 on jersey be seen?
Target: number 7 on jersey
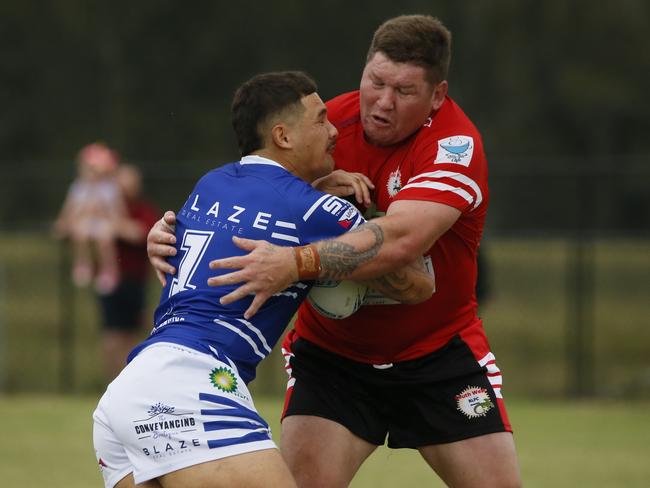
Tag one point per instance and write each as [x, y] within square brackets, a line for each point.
[195, 242]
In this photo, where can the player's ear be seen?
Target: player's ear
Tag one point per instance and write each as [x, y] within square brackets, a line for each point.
[280, 136]
[439, 94]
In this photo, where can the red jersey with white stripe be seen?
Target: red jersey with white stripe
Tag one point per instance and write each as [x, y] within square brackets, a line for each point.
[442, 162]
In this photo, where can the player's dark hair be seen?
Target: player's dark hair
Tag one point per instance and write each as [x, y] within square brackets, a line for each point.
[262, 97]
[421, 40]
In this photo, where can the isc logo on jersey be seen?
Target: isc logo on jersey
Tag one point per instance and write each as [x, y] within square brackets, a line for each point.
[346, 213]
[349, 217]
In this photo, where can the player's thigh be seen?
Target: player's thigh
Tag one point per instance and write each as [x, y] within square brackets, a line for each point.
[485, 461]
[128, 482]
[259, 469]
[321, 452]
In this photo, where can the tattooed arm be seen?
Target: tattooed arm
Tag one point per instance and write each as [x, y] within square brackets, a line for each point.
[409, 284]
[388, 244]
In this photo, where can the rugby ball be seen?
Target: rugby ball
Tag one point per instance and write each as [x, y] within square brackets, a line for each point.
[337, 299]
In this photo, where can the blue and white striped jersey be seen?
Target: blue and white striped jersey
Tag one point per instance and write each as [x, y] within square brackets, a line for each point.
[255, 198]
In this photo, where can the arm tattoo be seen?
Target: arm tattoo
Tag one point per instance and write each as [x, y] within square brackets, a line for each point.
[400, 284]
[392, 283]
[339, 259]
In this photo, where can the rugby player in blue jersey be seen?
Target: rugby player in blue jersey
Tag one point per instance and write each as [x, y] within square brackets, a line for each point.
[180, 413]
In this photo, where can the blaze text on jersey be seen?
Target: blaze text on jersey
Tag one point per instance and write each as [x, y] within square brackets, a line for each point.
[224, 217]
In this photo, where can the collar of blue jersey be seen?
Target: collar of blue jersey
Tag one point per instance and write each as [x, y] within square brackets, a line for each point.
[254, 159]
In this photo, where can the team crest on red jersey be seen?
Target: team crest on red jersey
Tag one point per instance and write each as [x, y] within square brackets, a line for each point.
[394, 183]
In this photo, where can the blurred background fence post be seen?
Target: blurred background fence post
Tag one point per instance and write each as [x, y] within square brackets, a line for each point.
[581, 273]
[66, 322]
[580, 318]
[4, 344]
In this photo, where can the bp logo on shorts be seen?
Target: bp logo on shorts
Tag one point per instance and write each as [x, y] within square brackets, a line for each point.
[224, 380]
[474, 402]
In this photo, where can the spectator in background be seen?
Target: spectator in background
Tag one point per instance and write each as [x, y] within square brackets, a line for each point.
[124, 308]
[89, 215]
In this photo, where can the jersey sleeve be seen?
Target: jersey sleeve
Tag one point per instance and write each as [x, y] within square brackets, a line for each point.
[324, 216]
[451, 169]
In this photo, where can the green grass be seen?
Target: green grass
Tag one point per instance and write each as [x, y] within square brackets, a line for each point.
[46, 441]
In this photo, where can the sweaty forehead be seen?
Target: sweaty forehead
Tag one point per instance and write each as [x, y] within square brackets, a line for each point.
[389, 71]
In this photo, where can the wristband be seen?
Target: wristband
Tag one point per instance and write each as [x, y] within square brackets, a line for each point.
[307, 261]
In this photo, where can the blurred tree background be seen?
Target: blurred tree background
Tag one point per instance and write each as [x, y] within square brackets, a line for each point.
[558, 88]
[543, 81]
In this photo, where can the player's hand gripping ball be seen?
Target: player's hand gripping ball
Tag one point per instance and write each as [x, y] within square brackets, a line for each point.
[337, 299]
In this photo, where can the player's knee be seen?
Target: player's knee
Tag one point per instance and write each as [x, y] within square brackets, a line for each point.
[324, 480]
[311, 471]
[509, 479]
[512, 483]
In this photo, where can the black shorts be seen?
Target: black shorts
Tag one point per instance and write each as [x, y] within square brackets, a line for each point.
[442, 397]
[123, 309]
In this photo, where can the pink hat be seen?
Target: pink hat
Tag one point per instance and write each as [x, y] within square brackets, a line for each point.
[99, 157]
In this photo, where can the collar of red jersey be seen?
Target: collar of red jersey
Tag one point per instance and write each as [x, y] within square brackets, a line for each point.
[254, 159]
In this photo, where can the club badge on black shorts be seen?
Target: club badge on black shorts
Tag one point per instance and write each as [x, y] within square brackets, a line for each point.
[474, 402]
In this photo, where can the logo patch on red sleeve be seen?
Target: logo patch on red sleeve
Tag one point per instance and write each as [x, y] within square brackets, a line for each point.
[455, 150]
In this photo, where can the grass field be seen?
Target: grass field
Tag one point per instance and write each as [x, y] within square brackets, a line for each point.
[46, 441]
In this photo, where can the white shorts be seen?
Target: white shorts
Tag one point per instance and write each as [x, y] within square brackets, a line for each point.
[170, 408]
